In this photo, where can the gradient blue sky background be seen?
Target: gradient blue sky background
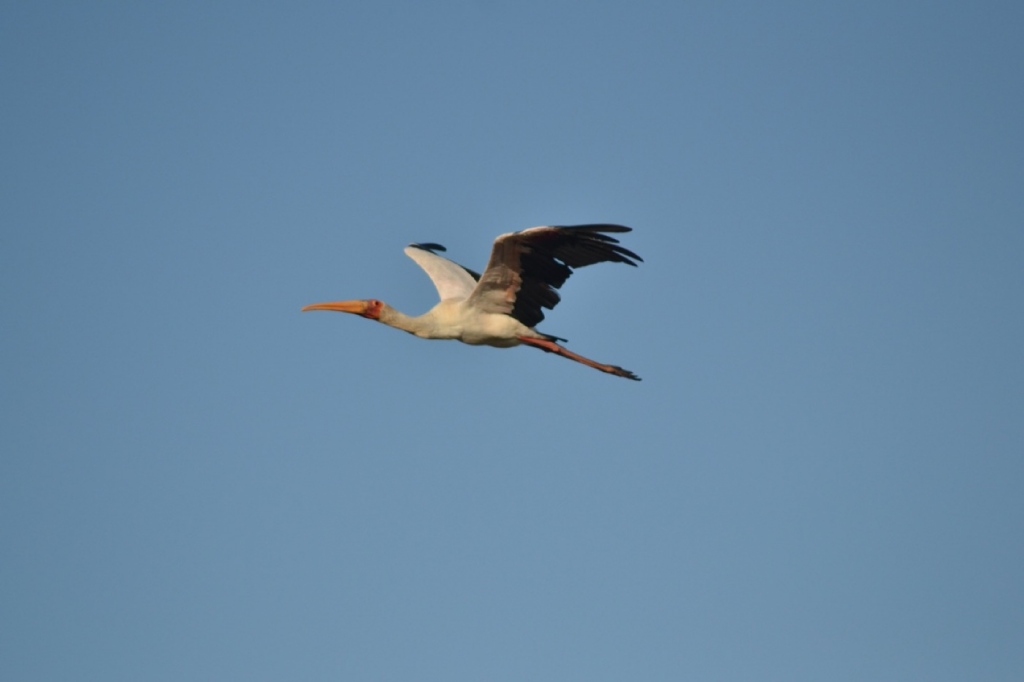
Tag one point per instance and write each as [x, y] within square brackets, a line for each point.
[820, 477]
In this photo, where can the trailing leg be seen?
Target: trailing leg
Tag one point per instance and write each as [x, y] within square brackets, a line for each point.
[552, 347]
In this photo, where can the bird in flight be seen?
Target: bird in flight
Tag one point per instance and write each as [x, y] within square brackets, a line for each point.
[502, 306]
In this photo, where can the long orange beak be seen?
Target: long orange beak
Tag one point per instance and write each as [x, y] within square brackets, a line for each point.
[357, 307]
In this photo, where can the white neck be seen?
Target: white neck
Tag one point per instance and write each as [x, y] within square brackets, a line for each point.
[421, 325]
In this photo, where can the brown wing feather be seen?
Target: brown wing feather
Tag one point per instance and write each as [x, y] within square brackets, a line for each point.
[526, 268]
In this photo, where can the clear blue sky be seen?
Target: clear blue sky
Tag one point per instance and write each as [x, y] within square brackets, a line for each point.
[821, 476]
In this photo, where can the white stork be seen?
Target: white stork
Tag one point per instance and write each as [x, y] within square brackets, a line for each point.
[501, 307]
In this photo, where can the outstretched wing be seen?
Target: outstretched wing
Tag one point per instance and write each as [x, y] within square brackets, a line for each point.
[526, 268]
[451, 279]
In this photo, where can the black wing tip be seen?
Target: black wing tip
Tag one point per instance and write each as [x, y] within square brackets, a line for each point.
[594, 232]
[429, 246]
[624, 255]
[632, 255]
[595, 227]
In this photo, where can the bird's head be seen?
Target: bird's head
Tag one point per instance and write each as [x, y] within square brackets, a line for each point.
[370, 308]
